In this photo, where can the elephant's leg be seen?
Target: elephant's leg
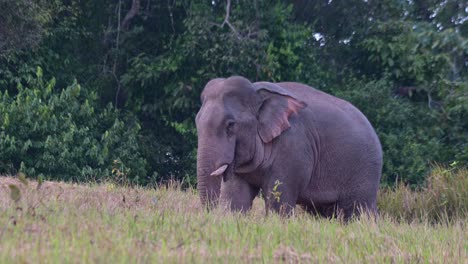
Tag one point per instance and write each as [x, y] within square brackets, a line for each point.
[280, 198]
[357, 203]
[237, 194]
[284, 206]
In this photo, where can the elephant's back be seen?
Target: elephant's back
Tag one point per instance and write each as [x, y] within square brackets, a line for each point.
[328, 109]
[316, 98]
[345, 133]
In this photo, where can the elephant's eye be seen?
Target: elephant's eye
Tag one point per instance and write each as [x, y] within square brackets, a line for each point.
[230, 128]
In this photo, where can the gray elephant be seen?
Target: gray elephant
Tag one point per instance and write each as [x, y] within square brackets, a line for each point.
[295, 143]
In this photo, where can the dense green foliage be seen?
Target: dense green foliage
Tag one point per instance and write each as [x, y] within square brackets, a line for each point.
[63, 134]
[403, 63]
[22, 23]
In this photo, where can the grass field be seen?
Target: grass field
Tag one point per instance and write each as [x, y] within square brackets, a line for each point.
[69, 223]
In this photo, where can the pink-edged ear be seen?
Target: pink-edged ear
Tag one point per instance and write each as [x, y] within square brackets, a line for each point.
[277, 105]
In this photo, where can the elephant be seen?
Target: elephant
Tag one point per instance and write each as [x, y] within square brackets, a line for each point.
[295, 144]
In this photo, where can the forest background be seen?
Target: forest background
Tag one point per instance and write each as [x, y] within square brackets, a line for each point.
[101, 89]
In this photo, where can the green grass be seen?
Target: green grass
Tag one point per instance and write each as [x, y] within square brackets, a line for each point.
[65, 223]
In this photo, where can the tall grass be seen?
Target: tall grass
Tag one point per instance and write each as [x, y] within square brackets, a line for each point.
[443, 199]
[54, 222]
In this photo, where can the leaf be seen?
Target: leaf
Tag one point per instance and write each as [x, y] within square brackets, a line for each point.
[40, 181]
[22, 178]
[15, 193]
[39, 72]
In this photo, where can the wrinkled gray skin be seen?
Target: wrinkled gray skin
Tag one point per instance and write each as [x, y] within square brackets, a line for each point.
[295, 143]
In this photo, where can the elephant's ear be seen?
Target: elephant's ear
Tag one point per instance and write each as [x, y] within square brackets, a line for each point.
[277, 105]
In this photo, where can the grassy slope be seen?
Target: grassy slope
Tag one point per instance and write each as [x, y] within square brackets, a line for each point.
[107, 224]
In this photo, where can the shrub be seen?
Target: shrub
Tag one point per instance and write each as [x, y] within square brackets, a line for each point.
[60, 134]
[444, 198]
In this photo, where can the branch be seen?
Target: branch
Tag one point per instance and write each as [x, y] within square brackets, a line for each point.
[226, 18]
[134, 10]
[171, 16]
[226, 21]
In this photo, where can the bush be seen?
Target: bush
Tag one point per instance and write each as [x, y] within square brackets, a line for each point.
[61, 135]
[444, 198]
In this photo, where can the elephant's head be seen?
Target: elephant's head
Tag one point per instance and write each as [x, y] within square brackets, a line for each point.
[236, 120]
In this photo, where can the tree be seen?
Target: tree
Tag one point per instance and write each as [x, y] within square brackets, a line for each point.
[22, 24]
[402, 62]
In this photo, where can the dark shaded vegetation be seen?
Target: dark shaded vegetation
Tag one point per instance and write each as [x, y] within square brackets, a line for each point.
[99, 89]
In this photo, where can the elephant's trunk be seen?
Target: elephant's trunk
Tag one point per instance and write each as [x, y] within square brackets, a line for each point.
[209, 185]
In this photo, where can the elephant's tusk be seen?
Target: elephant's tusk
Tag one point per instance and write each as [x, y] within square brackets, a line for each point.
[219, 171]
